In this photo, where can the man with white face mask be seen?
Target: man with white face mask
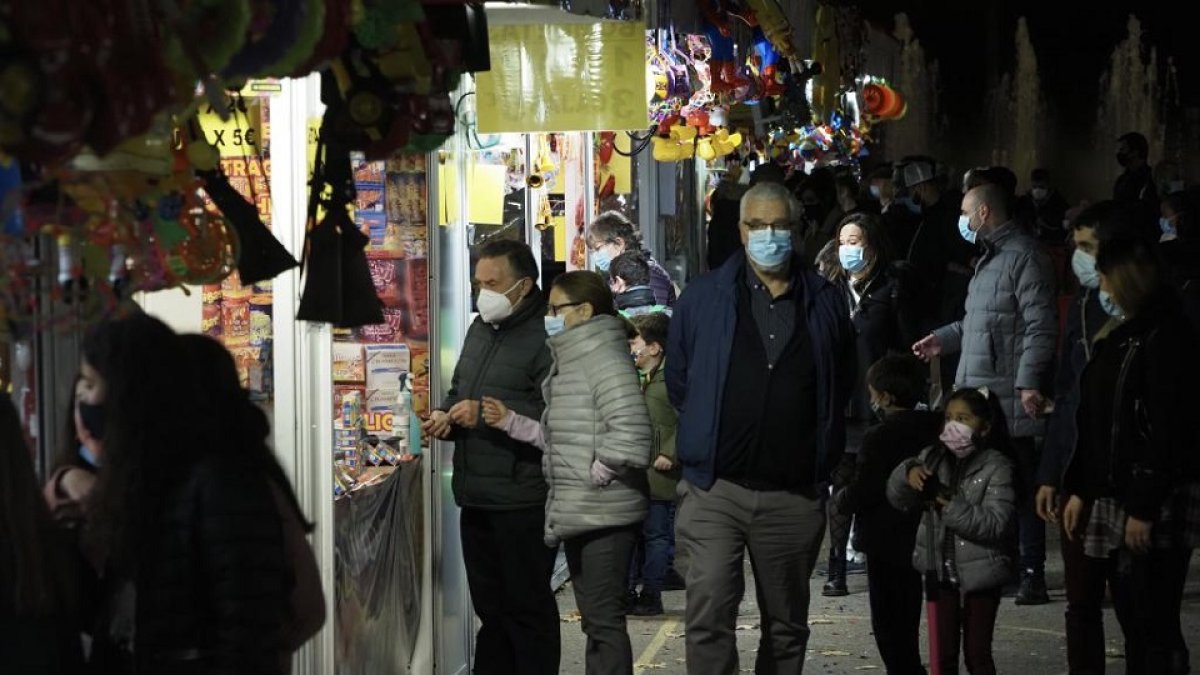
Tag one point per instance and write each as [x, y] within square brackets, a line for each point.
[1007, 343]
[498, 481]
[760, 364]
[1087, 321]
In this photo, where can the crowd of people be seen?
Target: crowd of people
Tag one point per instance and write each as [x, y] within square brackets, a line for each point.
[885, 360]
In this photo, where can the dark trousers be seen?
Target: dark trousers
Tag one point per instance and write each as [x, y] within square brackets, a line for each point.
[1148, 596]
[599, 564]
[654, 551]
[971, 616]
[841, 523]
[1087, 579]
[1032, 528]
[895, 596]
[509, 568]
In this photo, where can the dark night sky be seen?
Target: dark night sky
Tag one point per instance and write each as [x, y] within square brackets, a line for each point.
[1074, 40]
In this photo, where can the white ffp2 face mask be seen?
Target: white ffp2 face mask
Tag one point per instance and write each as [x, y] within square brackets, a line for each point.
[495, 307]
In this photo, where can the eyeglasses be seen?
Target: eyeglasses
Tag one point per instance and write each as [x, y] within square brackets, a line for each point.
[759, 225]
[555, 309]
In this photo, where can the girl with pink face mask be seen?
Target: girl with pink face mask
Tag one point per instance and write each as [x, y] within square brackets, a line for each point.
[965, 485]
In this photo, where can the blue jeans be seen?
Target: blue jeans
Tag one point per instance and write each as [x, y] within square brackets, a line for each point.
[656, 551]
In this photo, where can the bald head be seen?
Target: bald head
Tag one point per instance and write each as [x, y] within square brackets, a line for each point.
[990, 202]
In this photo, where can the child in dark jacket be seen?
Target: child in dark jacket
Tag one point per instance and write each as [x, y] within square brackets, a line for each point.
[896, 384]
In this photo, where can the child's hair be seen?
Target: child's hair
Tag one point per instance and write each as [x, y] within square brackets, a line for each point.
[900, 375]
[986, 407]
[653, 328]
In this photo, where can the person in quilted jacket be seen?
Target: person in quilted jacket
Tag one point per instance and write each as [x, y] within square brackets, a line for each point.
[966, 484]
[597, 439]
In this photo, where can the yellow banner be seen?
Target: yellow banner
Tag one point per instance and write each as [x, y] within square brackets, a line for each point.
[570, 77]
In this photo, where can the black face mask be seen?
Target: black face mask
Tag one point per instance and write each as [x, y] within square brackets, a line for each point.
[1123, 158]
[92, 417]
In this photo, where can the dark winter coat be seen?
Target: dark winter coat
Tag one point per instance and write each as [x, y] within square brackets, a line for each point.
[1085, 318]
[1046, 216]
[212, 585]
[882, 531]
[661, 284]
[509, 362]
[1137, 428]
[886, 318]
[699, 353]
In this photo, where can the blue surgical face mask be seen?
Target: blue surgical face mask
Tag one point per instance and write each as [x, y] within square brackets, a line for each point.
[602, 260]
[769, 248]
[1110, 306]
[876, 192]
[555, 325]
[964, 228]
[86, 455]
[853, 258]
[1167, 228]
[1084, 266]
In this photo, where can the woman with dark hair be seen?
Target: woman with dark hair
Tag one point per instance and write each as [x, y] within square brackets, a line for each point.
[186, 534]
[39, 627]
[597, 438]
[245, 431]
[968, 532]
[1134, 477]
[79, 459]
[612, 234]
[885, 319]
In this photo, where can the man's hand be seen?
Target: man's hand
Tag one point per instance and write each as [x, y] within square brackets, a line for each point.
[465, 414]
[1032, 402]
[1072, 516]
[917, 477]
[1137, 535]
[437, 426]
[663, 463]
[494, 412]
[1045, 501]
[928, 348]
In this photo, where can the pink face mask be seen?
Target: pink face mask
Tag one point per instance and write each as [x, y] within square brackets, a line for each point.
[959, 438]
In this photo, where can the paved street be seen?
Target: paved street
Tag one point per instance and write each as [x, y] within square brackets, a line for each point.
[1029, 640]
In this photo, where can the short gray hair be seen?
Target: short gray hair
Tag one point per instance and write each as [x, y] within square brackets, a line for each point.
[772, 192]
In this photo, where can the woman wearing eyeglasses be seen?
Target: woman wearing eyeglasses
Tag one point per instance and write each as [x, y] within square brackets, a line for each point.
[596, 437]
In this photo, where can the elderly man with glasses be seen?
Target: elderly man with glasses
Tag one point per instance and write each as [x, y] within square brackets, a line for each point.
[760, 364]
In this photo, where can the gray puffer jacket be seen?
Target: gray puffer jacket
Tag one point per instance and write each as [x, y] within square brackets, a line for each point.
[981, 516]
[1009, 334]
[594, 410]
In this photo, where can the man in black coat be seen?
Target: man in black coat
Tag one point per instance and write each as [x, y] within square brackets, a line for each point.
[498, 481]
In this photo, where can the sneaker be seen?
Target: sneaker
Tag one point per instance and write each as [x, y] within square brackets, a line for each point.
[1033, 589]
[648, 604]
[854, 567]
[673, 581]
[835, 588]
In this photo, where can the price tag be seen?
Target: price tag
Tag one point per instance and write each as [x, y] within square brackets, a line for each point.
[241, 134]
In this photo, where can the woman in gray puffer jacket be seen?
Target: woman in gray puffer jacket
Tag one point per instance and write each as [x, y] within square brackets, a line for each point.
[966, 484]
[596, 436]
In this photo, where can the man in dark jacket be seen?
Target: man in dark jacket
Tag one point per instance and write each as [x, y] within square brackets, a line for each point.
[1086, 577]
[939, 254]
[760, 364]
[498, 481]
[1006, 343]
[1045, 207]
[1135, 186]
